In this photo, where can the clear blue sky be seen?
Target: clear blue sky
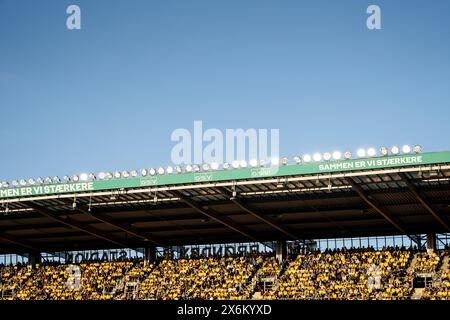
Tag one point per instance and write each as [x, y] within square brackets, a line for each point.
[109, 95]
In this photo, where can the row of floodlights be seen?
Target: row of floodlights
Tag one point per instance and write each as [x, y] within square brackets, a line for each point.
[317, 157]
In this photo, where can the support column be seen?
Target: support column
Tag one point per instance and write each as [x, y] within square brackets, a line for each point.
[281, 250]
[431, 242]
[34, 258]
[149, 255]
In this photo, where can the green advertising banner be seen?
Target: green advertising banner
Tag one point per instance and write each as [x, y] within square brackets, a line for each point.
[232, 174]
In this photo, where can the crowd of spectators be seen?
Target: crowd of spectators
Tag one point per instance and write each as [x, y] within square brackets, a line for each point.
[338, 274]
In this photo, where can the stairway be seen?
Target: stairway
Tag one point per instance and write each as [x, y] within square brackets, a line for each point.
[412, 265]
[417, 294]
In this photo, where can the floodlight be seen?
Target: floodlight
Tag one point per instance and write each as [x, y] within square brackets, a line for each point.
[284, 161]
[361, 153]
[125, 174]
[102, 175]
[134, 173]
[274, 161]
[169, 170]
[243, 164]
[161, 171]
[22, 182]
[31, 181]
[40, 180]
[406, 149]
[117, 174]
[226, 166]
[178, 169]
[196, 168]
[298, 159]
[205, 167]
[253, 163]
[66, 178]
[317, 157]
[92, 177]
[84, 177]
[76, 178]
[384, 151]
[347, 155]
[371, 152]
[327, 156]
[337, 155]
[307, 158]
[56, 179]
[214, 166]
[262, 163]
[144, 172]
[5, 184]
[15, 183]
[152, 171]
[109, 175]
[417, 149]
[395, 150]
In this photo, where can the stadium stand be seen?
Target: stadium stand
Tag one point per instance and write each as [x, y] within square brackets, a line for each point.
[354, 274]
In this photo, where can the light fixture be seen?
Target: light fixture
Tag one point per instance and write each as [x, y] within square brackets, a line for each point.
[84, 177]
[102, 175]
[66, 178]
[205, 167]
[361, 153]
[327, 156]
[169, 170]
[15, 183]
[384, 151]
[76, 178]
[214, 166]
[347, 155]
[92, 177]
[56, 179]
[134, 173]
[262, 163]
[371, 152]
[298, 159]
[161, 171]
[196, 168]
[406, 149]
[395, 150]
[22, 182]
[284, 161]
[235, 164]
[307, 158]
[144, 172]
[178, 169]
[226, 166]
[274, 161]
[31, 181]
[253, 163]
[243, 164]
[189, 168]
[49, 180]
[5, 184]
[108, 175]
[125, 174]
[417, 148]
[317, 157]
[337, 155]
[117, 174]
[40, 180]
[152, 171]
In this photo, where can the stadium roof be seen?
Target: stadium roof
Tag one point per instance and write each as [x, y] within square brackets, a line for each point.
[405, 194]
